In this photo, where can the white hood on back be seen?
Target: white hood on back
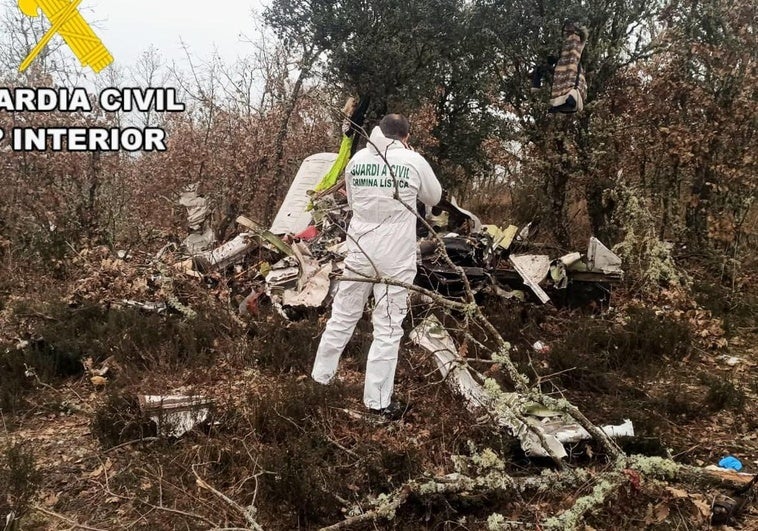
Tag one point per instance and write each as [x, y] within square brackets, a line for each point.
[378, 143]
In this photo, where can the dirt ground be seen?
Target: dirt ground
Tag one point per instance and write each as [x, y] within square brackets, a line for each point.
[306, 456]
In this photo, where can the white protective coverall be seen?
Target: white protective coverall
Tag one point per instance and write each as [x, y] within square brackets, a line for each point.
[381, 243]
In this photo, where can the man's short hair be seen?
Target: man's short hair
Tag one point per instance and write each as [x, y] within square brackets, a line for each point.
[395, 126]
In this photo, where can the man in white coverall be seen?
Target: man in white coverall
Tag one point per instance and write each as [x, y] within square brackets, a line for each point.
[381, 243]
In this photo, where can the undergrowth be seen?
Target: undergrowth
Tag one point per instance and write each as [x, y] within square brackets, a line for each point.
[61, 337]
[118, 420]
[19, 479]
[644, 344]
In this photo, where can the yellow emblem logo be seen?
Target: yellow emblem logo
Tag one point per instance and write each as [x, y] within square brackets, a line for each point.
[67, 22]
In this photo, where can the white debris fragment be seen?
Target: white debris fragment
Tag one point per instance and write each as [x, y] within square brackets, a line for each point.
[533, 268]
[600, 258]
[293, 216]
[175, 415]
[732, 361]
[201, 235]
[541, 347]
[556, 430]
[314, 290]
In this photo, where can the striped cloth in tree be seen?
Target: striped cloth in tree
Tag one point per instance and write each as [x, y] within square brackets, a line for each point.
[569, 89]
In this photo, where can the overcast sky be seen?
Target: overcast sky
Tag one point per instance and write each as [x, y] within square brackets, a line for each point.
[129, 27]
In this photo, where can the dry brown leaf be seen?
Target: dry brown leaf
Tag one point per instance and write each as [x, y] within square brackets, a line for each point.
[50, 500]
[98, 381]
[657, 514]
[677, 493]
[703, 506]
[463, 349]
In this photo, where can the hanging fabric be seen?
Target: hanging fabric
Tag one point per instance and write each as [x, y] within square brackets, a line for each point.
[569, 87]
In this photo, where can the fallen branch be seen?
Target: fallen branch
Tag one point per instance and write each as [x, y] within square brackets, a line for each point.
[495, 481]
[247, 513]
[384, 512]
[487, 478]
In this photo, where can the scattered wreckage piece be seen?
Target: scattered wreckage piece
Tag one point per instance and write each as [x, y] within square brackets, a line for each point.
[601, 259]
[554, 428]
[201, 235]
[569, 278]
[559, 269]
[569, 432]
[501, 238]
[294, 215]
[266, 235]
[236, 249]
[533, 268]
[314, 291]
[313, 281]
[299, 281]
[227, 254]
[435, 274]
[175, 415]
[500, 257]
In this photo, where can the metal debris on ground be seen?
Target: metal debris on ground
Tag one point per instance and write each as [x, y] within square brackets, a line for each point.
[553, 426]
[201, 235]
[175, 415]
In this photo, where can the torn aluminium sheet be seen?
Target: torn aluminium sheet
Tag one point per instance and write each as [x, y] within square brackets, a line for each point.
[556, 431]
[313, 282]
[175, 415]
[230, 252]
[533, 268]
[299, 280]
[293, 216]
[602, 259]
[201, 235]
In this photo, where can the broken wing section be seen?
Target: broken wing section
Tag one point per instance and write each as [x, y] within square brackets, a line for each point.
[294, 216]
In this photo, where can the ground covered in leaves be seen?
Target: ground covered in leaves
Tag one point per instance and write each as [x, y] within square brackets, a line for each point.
[75, 451]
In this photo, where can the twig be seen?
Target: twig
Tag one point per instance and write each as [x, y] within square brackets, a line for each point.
[246, 513]
[346, 450]
[376, 514]
[129, 443]
[29, 371]
[67, 520]
[182, 513]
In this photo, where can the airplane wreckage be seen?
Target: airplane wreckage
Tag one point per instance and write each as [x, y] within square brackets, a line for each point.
[307, 244]
[297, 262]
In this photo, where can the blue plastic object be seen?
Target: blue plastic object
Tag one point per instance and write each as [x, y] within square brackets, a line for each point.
[731, 462]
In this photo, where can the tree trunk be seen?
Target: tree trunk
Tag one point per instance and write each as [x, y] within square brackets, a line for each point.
[697, 209]
[279, 164]
[556, 189]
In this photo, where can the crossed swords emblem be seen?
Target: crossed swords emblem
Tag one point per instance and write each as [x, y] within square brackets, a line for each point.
[67, 22]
